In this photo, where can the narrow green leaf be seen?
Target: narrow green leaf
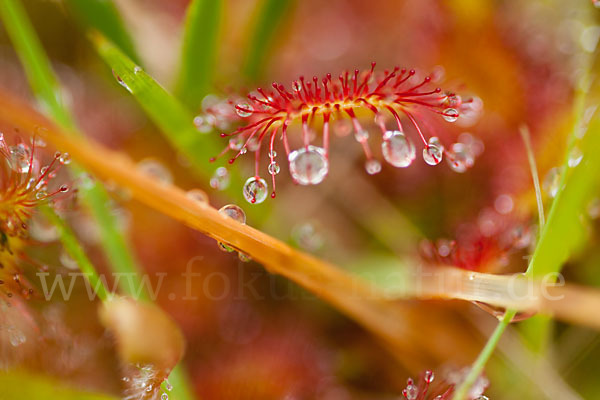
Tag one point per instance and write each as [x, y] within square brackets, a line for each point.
[173, 119]
[19, 385]
[199, 51]
[47, 90]
[103, 16]
[262, 31]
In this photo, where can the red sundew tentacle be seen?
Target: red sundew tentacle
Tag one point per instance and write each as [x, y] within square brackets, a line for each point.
[247, 127]
[306, 92]
[284, 138]
[272, 158]
[298, 91]
[221, 154]
[317, 89]
[429, 106]
[281, 93]
[341, 79]
[424, 82]
[386, 79]
[305, 131]
[244, 149]
[399, 78]
[369, 105]
[407, 77]
[327, 97]
[326, 134]
[414, 122]
[333, 88]
[365, 84]
[409, 94]
[346, 87]
[48, 168]
[355, 82]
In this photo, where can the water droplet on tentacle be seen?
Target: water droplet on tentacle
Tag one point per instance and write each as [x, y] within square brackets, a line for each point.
[244, 110]
[450, 114]
[255, 190]
[432, 153]
[308, 165]
[397, 149]
[552, 181]
[236, 213]
[460, 158]
[372, 167]
[575, 157]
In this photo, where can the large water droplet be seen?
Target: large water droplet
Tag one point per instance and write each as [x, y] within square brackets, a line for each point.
[244, 110]
[552, 181]
[450, 114]
[156, 170]
[432, 153]
[372, 167]
[460, 157]
[255, 190]
[397, 149]
[20, 157]
[575, 157]
[235, 212]
[308, 165]
[429, 376]
[164, 396]
[220, 179]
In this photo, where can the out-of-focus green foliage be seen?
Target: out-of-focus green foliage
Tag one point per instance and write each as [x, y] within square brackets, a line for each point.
[103, 16]
[262, 30]
[199, 50]
[17, 385]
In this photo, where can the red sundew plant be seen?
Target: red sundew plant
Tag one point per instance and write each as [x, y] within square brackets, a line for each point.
[396, 93]
[24, 185]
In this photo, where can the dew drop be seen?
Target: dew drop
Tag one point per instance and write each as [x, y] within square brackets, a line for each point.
[575, 157]
[38, 141]
[154, 169]
[308, 236]
[204, 123]
[234, 212]
[452, 100]
[429, 376]
[164, 396]
[220, 179]
[121, 81]
[460, 157]
[362, 135]
[236, 143]
[274, 168]
[168, 386]
[67, 261]
[450, 114]
[137, 69]
[432, 153]
[244, 110]
[272, 154]
[41, 194]
[593, 208]
[15, 336]
[197, 195]
[65, 159]
[372, 167]
[19, 158]
[342, 127]
[255, 190]
[552, 181]
[308, 165]
[244, 257]
[397, 149]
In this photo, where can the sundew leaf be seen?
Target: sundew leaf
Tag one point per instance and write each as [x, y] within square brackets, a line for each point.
[262, 30]
[173, 119]
[19, 385]
[199, 51]
[103, 16]
[46, 88]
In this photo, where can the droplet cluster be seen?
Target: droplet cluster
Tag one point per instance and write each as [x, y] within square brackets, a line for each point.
[395, 95]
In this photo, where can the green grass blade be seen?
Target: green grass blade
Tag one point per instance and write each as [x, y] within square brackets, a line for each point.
[262, 30]
[19, 385]
[173, 119]
[46, 88]
[103, 16]
[199, 51]
[76, 251]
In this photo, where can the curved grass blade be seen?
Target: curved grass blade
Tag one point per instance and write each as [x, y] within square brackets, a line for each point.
[199, 51]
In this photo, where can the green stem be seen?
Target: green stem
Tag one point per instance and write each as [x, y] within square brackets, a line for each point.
[76, 251]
